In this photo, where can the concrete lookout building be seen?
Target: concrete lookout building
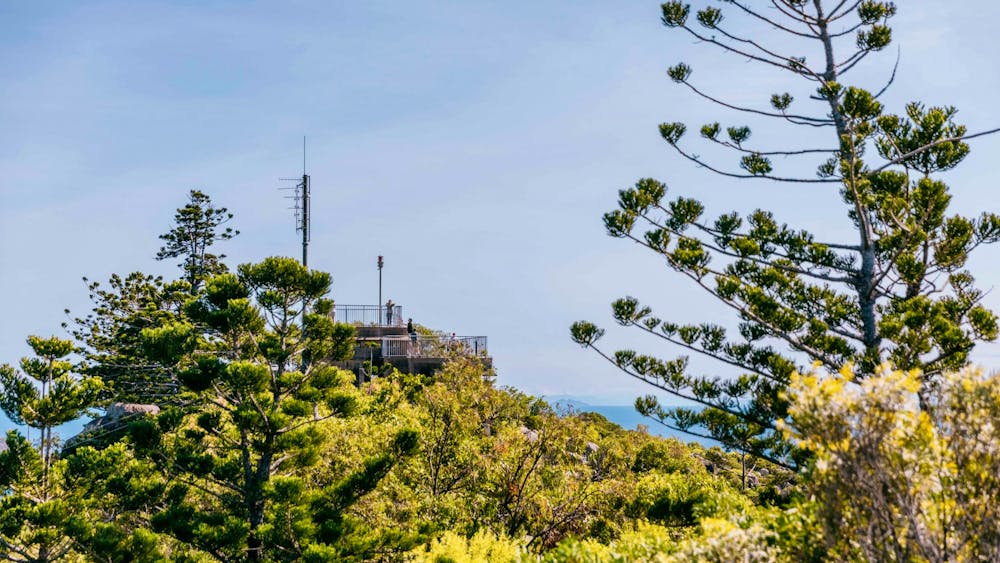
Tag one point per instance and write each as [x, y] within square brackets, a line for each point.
[382, 340]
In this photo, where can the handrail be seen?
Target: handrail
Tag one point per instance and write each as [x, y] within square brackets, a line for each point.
[368, 315]
[433, 346]
[423, 346]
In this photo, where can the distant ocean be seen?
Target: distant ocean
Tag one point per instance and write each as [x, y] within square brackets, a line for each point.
[628, 418]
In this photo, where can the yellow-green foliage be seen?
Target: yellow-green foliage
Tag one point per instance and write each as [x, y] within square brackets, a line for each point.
[715, 540]
[496, 460]
[646, 543]
[483, 546]
[905, 469]
[677, 499]
[723, 541]
[902, 471]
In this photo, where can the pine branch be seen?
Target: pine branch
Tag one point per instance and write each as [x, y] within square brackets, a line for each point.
[929, 146]
[655, 382]
[793, 118]
[762, 261]
[739, 148]
[795, 343]
[717, 233]
[720, 172]
[12, 548]
[760, 454]
[724, 359]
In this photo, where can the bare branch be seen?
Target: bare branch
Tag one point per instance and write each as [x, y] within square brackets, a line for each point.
[892, 77]
[847, 67]
[847, 31]
[302, 423]
[738, 148]
[834, 16]
[794, 118]
[781, 62]
[772, 22]
[753, 176]
[786, 63]
[792, 12]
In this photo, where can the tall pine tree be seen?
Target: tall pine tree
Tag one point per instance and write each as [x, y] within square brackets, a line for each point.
[126, 305]
[896, 292]
[197, 226]
[36, 508]
[250, 431]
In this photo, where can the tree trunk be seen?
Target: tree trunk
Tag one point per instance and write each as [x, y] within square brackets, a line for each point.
[864, 283]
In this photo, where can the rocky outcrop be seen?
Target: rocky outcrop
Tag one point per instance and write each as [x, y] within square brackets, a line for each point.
[116, 415]
[116, 412]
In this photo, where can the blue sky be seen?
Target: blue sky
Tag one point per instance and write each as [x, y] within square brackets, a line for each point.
[474, 144]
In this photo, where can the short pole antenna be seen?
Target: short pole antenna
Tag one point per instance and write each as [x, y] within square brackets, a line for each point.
[379, 308]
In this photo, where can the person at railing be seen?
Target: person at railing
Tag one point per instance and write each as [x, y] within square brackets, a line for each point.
[388, 312]
[333, 310]
[413, 337]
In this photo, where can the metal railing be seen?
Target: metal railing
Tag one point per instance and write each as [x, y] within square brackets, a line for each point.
[369, 315]
[433, 346]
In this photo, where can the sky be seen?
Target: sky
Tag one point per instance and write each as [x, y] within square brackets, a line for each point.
[474, 144]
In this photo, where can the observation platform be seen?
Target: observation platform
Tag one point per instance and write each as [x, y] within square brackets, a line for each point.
[382, 341]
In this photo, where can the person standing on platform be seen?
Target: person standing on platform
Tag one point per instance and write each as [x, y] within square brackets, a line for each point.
[413, 336]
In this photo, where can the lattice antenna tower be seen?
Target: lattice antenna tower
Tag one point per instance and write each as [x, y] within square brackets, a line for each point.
[301, 205]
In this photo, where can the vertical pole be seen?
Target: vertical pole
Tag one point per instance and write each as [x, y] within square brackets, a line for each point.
[305, 220]
[378, 308]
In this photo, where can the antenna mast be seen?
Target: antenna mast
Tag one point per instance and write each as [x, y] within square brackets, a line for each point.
[301, 206]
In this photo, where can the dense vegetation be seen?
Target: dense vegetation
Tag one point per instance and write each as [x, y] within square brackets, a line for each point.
[405, 466]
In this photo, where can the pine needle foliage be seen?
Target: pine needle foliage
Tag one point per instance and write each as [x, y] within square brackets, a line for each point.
[197, 226]
[249, 430]
[35, 507]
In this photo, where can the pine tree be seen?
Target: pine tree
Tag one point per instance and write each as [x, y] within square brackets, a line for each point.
[126, 305]
[259, 388]
[35, 507]
[110, 335]
[196, 228]
[897, 293]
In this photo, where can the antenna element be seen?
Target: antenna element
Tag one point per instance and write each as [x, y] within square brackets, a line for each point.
[301, 205]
